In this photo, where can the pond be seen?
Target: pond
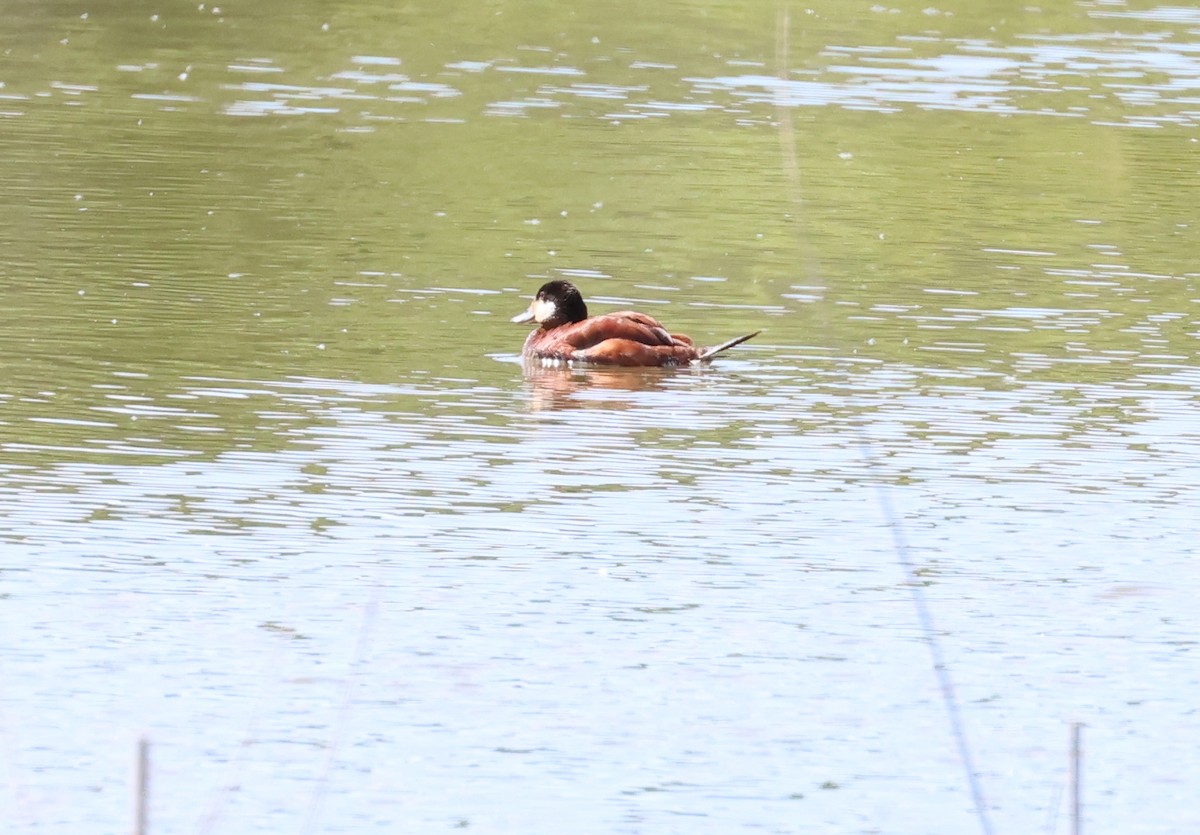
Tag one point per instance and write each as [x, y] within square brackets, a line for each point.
[277, 494]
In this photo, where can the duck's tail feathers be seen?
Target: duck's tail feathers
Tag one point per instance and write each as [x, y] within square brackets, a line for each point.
[709, 353]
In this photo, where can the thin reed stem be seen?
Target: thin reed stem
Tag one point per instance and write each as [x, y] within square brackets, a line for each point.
[141, 819]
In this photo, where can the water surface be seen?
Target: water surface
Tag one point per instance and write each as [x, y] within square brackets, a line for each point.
[276, 491]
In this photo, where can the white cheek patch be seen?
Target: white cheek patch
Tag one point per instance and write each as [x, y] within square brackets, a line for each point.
[543, 309]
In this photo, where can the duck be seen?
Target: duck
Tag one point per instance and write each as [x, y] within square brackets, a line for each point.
[566, 335]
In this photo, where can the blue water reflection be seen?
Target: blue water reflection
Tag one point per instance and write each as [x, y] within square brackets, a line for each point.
[670, 599]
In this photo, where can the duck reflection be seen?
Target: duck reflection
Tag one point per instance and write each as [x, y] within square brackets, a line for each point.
[571, 388]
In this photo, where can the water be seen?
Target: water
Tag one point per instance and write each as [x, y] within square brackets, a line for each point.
[276, 491]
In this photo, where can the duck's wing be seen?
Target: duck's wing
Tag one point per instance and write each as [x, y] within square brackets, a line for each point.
[631, 353]
[626, 325]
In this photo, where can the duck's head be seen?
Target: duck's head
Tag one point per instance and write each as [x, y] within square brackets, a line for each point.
[556, 303]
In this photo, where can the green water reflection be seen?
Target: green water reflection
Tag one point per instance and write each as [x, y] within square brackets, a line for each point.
[268, 191]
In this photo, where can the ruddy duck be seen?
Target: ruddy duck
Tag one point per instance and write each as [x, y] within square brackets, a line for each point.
[567, 336]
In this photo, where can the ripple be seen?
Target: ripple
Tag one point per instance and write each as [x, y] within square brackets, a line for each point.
[991, 77]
